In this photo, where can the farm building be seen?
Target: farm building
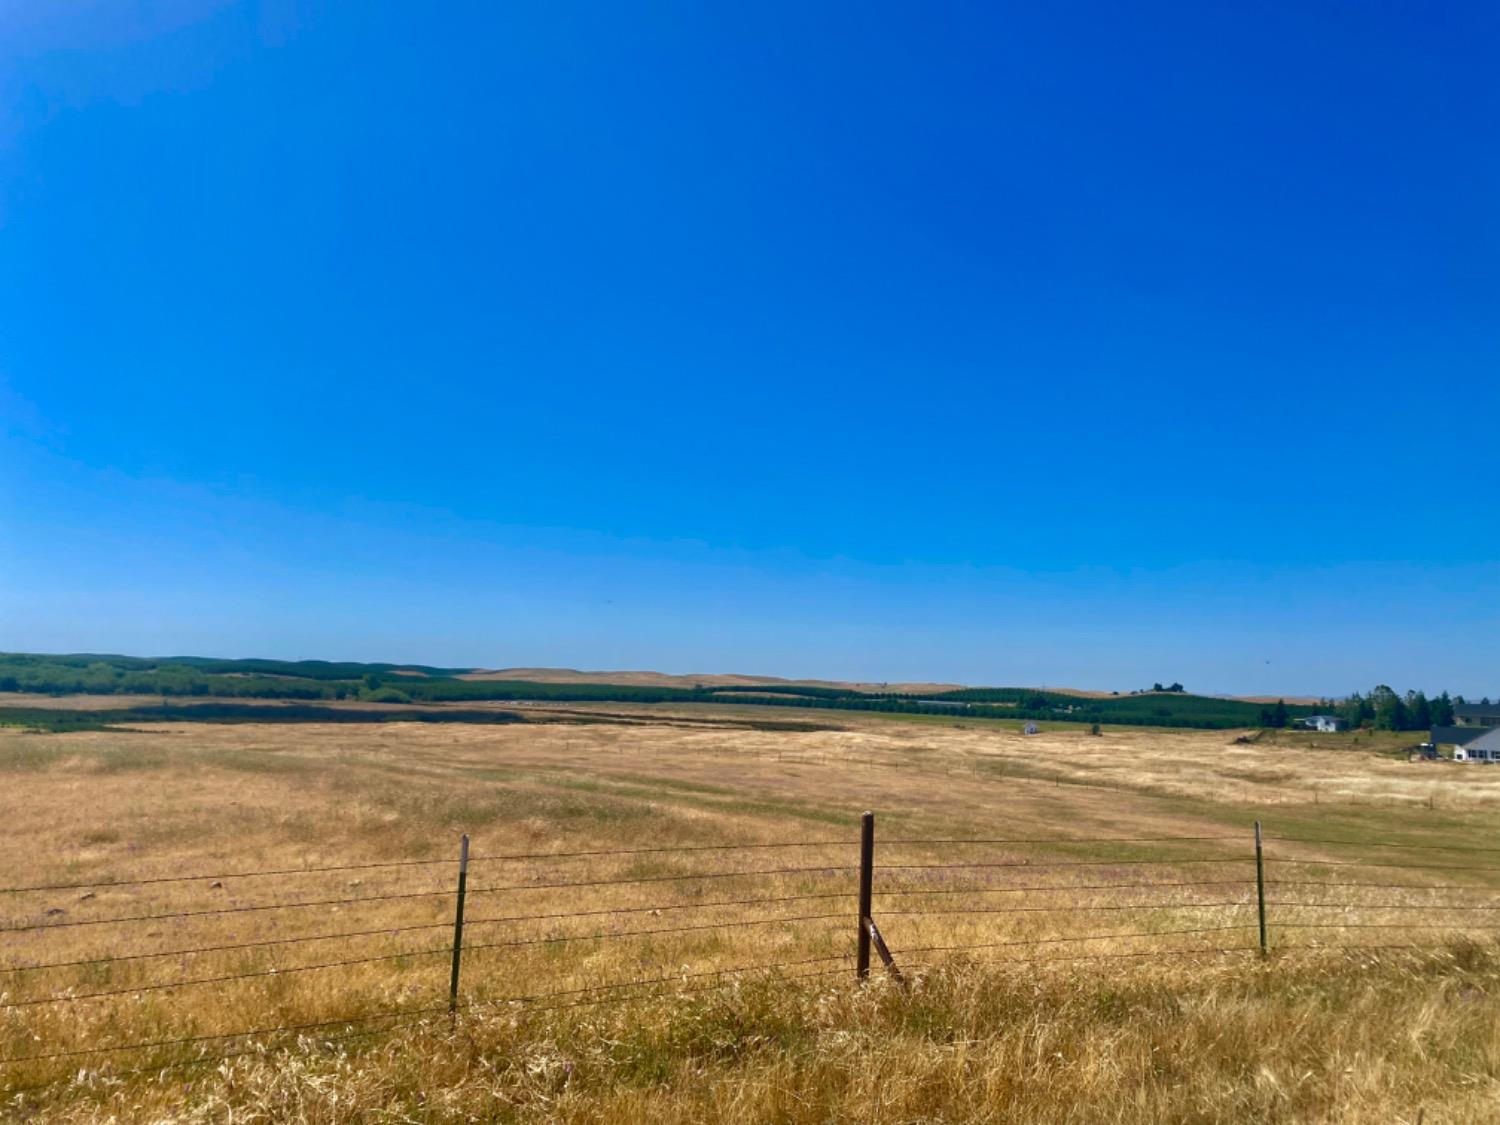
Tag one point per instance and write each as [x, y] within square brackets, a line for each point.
[1455, 736]
[1485, 748]
[1323, 722]
[1476, 714]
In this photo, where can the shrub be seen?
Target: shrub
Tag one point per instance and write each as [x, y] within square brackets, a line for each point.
[386, 695]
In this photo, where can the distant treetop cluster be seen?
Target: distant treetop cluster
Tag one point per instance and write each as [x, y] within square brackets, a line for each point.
[1381, 709]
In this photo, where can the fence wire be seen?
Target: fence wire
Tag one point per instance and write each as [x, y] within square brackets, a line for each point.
[913, 908]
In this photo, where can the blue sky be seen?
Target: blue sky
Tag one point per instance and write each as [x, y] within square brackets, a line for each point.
[1058, 343]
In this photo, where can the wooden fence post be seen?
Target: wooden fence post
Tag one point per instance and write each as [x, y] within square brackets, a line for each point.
[866, 892]
[1260, 889]
[881, 948]
[458, 923]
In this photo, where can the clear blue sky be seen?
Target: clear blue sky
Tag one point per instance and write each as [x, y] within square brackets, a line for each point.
[1063, 343]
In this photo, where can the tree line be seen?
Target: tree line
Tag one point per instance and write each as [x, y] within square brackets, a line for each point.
[1382, 709]
[310, 681]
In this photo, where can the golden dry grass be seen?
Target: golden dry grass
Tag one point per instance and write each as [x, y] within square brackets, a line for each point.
[1097, 1034]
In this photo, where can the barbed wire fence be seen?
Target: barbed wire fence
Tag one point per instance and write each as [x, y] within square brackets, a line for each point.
[71, 978]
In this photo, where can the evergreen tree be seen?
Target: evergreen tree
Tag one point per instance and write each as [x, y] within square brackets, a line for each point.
[1390, 711]
[1354, 711]
[1418, 711]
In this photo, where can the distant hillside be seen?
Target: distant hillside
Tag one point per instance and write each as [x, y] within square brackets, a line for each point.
[307, 680]
[696, 679]
[733, 680]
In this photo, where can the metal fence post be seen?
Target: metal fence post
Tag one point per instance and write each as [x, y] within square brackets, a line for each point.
[1260, 889]
[866, 891]
[458, 923]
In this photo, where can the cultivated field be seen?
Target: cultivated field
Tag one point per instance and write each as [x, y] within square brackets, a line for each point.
[1075, 917]
[706, 679]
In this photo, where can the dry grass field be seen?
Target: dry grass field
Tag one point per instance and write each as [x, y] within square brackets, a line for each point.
[1074, 917]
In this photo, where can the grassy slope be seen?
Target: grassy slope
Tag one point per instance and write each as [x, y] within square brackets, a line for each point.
[1315, 1036]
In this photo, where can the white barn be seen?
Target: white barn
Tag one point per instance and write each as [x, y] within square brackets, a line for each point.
[1485, 748]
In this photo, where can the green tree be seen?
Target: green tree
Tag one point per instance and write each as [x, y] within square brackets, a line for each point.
[1358, 711]
[1418, 711]
[387, 695]
[1390, 710]
[1274, 716]
[1442, 711]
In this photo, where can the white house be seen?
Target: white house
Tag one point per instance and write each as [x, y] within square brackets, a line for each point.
[1485, 748]
[1323, 722]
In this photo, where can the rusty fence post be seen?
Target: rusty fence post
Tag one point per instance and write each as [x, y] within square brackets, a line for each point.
[1260, 889]
[458, 924]
[884, 951]
[866, 891]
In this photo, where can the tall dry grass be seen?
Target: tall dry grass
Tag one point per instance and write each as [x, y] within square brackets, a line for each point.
[1316, 1037]
[1122, 1021]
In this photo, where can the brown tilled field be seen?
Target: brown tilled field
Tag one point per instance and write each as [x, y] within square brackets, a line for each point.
[660, 924]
